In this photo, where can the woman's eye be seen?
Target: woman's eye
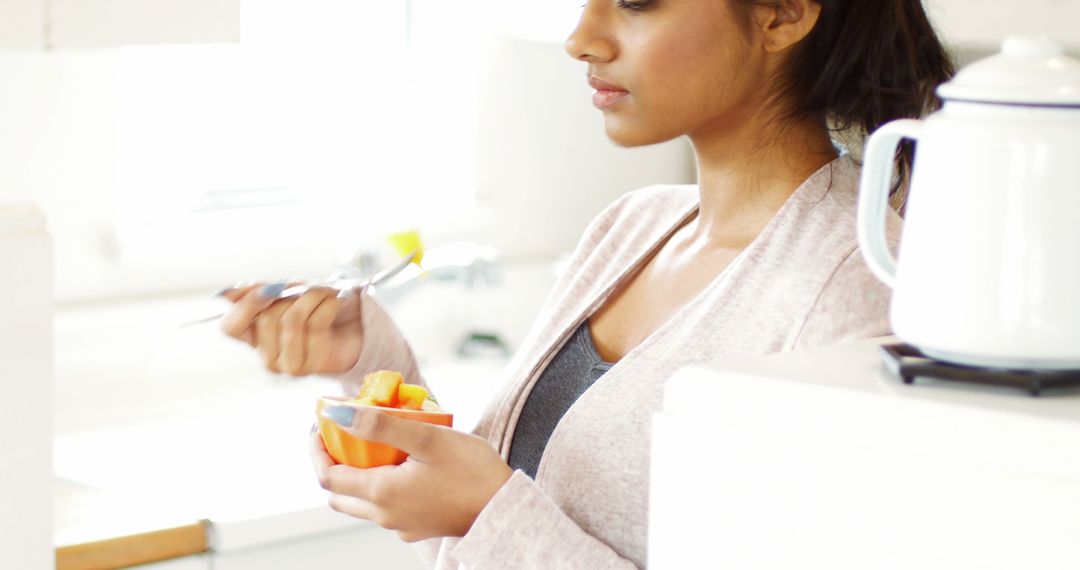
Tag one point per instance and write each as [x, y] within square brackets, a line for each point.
[636, 5]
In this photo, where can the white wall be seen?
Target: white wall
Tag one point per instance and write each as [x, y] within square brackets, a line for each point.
[982, 23]
[544, 169]
[56, 141]
[57, 148]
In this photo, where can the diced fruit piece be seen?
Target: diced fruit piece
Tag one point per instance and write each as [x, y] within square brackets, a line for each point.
[406, 242]
[380, 388]
[388, 389]
[411, 396]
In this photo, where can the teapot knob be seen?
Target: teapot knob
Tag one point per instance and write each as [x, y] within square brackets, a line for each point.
[1031, 47]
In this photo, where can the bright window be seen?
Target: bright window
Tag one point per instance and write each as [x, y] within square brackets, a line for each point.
[328, 116]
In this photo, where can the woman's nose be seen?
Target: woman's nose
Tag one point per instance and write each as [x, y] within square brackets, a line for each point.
[590, 40]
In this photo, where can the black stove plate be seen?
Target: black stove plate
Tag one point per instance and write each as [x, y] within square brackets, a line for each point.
[908, 363]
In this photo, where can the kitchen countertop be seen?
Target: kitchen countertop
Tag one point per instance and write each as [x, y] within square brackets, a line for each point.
[132, 549]
[857, 367]
[831, 455]
[159, 428]
[182, 476]
[220, 482]
[155, 490]
[164, 435]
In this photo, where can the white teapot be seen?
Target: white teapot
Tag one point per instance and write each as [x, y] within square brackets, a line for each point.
[988, 271]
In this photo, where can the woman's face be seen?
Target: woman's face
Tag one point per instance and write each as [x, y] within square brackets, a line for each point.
[665, 68]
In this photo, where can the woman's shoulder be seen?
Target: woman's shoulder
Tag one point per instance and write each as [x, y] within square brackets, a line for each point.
[834, 188]
[818, 241]
[645, 208]
[825, 209]
[625, 231]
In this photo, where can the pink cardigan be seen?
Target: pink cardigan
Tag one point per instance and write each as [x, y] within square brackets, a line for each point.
[801, 283]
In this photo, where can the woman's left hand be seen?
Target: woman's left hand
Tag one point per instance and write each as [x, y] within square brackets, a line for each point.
[441, 488]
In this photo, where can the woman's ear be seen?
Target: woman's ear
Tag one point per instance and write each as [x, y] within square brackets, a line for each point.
[784, 23]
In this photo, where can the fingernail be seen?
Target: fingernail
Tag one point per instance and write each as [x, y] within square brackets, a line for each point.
[342, 415]
[272, 290]
[234, 287]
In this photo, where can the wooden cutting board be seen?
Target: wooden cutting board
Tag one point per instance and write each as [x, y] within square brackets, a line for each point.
[135, 549]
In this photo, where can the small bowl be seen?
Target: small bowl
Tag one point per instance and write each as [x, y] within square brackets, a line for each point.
[351, 450]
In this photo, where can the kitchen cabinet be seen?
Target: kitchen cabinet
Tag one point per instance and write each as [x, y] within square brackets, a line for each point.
[985, 23]
[63, 24]
[196, 562]
[22, 24]
[355, 546]
[823, 459]
[25, 388]
[365, 547]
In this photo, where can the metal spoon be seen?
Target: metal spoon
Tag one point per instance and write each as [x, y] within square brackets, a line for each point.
[344, 287]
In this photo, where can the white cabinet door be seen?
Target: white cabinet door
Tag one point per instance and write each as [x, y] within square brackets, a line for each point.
[103, 23]
[369, 548]
[38, 24]
[196, 562]
[22, 24]
[25, 389]
[823, 459]
[987, 22]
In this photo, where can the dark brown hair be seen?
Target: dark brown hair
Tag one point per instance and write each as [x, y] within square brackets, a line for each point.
[865, 63]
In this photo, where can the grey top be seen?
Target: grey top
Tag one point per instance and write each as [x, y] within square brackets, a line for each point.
[576, 367]
[801, 283]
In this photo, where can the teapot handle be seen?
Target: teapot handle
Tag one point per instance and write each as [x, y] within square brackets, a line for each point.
[878, 163]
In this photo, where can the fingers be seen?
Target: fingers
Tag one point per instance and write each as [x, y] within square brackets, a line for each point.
[238, 322]
[354, 482]
[304, 328]
[363, 509]
[235, 293]
[292, 335]
[320, 459]
[357, 507]
[350, 488]
[268, 333]
[349, 309]
[422, 441]
[319, 345]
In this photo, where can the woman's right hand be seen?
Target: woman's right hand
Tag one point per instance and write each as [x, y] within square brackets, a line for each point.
[316, 333]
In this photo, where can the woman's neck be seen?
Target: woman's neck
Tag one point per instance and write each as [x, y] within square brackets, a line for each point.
[747, 173]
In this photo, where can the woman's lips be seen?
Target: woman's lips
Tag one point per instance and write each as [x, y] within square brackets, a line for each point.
[606, 94]
[604, 98]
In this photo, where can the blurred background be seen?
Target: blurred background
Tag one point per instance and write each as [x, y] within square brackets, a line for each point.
[180, 167]
[172, 148]
[164, 149]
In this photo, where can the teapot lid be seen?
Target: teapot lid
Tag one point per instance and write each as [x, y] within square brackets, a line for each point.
[1028, 71]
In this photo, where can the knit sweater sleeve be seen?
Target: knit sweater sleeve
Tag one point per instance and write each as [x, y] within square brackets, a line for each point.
[852, 305]
[522, 528]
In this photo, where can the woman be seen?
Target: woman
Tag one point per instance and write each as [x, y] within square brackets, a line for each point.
[759, 257]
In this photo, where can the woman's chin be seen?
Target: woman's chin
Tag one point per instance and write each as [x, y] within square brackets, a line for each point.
[629, 135]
